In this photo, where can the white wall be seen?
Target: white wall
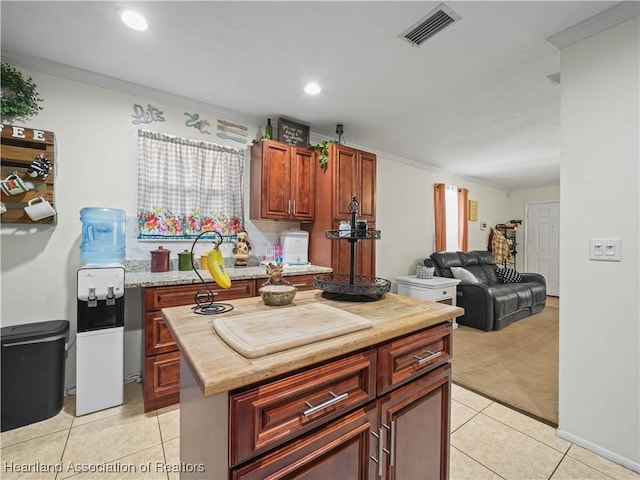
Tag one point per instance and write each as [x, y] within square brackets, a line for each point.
[599, 312]
[405, 215]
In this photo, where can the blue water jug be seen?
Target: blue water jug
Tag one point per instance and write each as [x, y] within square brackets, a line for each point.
[103, 235]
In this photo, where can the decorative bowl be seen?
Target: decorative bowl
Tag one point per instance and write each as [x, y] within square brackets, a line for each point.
[277, 294]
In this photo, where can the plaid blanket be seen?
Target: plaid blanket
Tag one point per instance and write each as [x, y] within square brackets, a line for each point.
[500, 246]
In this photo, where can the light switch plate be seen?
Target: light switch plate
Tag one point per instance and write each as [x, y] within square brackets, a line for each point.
[605, 249]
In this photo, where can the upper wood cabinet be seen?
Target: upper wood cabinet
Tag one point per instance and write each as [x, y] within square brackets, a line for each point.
[365, 257]
[354, 174]
[350, 172]
[283, 179]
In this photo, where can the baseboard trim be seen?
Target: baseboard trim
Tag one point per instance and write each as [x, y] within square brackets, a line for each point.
[603, 452]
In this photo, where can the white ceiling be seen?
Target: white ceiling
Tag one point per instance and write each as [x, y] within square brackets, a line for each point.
[474, 100]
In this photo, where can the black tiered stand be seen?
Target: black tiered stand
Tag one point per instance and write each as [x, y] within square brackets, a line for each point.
[351, 287]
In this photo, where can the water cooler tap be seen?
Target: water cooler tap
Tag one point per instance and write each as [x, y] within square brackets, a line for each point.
[92, 299]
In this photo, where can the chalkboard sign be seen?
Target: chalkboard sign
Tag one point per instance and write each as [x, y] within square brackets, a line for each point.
[293, 133]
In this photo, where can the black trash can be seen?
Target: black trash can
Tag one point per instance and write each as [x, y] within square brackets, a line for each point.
[33, 363]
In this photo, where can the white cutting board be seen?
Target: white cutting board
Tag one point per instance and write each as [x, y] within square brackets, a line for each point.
[258, 334]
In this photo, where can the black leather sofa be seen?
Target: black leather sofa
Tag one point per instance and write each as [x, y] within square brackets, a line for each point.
[490, 304]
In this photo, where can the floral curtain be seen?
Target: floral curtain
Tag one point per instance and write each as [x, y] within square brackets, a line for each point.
[186, 187]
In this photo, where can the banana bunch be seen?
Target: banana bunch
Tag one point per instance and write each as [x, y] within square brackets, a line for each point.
[215, 264]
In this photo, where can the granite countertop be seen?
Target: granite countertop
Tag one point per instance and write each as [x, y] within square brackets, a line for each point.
[180, 277]
[218, 368]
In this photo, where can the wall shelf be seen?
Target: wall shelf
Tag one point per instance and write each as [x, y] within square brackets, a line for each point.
[20, 146]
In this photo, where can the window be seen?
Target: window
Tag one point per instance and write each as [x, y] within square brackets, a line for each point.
[186, 187]
[451, 207]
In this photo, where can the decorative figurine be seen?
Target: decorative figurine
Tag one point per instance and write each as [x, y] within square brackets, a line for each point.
[275, 272]
[242, 249]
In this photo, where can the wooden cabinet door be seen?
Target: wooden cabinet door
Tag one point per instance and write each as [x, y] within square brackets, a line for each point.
[339, 450]
[367, 185]
[345, 175]
[276, 180]
[161, 385]
[365, 255]
[303, 181]
[416, 419]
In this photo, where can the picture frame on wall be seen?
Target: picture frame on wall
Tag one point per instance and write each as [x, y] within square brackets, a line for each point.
[473, 210]
[293, 133]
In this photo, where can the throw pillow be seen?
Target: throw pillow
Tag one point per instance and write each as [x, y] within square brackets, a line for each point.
[508, 275]
[464, 275]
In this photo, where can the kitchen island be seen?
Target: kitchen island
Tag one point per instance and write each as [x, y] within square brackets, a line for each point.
[160, 355]
[375, 401]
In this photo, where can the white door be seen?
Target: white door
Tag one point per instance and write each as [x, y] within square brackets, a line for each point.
[543, 243]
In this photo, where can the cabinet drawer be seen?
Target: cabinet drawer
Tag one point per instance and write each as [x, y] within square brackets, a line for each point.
[445, 292]
[341, 450]
[162, 297]
[165, 371]
[157, 337]
[409, 357]
[267, 416]
[302, 282]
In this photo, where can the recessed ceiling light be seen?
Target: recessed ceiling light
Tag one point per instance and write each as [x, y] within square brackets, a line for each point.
[133, 19]
[312, 88]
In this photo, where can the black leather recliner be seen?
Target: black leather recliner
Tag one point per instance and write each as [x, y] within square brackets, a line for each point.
[490, 304]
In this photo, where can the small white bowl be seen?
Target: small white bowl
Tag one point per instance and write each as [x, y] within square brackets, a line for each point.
[276, 295]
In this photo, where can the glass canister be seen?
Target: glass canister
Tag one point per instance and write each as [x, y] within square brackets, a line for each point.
[160, 260]
[103, 235]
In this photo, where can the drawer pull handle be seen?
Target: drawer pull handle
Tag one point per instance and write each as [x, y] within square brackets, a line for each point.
[392, 455]
[444, 292]
[298, 284]
[431, 356]
[377, 460]
[331, 401]
[381, 449]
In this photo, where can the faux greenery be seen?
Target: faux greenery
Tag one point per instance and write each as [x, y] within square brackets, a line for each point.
[323, 148]
[19, 96]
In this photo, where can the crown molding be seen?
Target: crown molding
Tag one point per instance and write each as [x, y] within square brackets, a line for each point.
[104, 81]
[611, 17]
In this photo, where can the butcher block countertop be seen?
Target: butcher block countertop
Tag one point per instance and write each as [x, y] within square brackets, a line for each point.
[219, 368]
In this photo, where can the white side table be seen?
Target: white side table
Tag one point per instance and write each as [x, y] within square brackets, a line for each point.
[436, 289]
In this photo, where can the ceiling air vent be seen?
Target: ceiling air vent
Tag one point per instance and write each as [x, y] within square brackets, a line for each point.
[554, 78]
[434, 22]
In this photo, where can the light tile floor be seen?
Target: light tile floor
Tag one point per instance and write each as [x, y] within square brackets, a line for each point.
[488, 441]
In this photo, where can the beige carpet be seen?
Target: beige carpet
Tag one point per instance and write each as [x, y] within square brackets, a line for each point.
[516, 366]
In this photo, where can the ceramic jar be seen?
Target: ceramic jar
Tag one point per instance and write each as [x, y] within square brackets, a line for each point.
[184, 260]
[160, 260]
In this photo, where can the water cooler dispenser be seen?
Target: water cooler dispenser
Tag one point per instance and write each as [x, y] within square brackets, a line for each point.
[100, 333]
[100, 338]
